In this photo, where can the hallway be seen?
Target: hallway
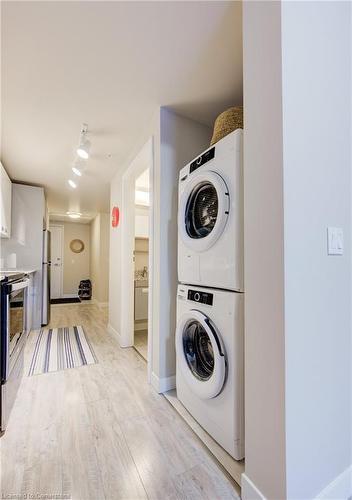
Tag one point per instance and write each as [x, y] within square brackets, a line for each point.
[101, 432]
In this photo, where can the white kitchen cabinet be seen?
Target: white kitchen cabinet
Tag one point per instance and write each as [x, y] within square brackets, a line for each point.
[6, 197]
[140, 303]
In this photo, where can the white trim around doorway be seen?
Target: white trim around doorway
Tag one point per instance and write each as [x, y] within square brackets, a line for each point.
[137, 166]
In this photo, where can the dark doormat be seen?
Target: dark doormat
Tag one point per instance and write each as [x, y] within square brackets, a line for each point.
[69, 300]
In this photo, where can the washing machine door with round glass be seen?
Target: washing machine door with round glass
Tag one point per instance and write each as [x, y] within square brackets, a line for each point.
[203, 210]
[200, 354]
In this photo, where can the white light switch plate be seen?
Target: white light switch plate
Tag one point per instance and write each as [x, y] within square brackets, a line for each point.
[335, 241]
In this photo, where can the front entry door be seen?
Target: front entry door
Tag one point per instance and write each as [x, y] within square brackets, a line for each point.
[57, 238]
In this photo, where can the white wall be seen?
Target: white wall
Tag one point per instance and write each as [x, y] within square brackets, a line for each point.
[141, 253]
[317, 171]
[104, 256]
[115, 273]
[181, 140]
[176, 140]
[141, 222]
[99, 257]
[297, 183]
[76, 265]
[264, 259]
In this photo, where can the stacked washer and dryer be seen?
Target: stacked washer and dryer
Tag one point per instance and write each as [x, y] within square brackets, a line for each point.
[210, 300]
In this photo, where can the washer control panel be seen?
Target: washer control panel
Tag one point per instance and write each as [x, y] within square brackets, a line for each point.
[204, 158]
[201, 297]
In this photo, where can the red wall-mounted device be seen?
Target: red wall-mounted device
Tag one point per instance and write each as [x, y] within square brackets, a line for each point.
[115, 216]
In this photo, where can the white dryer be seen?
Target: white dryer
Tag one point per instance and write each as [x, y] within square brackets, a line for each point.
[209, 362]
[210, 217]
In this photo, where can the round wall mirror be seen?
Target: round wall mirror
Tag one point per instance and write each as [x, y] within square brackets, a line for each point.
[77, 246]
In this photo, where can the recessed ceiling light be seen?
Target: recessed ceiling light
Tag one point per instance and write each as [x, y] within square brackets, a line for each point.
[74, 215]
[76, 171]
[72, 184]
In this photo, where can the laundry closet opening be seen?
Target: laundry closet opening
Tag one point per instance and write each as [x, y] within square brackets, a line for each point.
[195, 275]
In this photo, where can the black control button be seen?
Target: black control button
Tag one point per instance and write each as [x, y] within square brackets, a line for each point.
[201, 160]
[202, 297]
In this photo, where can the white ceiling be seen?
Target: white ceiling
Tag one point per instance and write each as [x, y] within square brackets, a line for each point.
[109, 64]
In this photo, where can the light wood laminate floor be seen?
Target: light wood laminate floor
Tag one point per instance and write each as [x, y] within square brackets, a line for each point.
[101, 432]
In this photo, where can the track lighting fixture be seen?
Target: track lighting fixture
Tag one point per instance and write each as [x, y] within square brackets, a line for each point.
[77, 171]
[84, 144]
[83, 153]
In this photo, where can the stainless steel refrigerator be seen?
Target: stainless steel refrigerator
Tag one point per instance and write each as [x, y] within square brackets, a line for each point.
[46, 277]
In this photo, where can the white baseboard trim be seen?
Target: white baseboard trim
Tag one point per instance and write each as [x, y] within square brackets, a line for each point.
[249, 491]
[116, 334]
[340, 488]
[163, 384]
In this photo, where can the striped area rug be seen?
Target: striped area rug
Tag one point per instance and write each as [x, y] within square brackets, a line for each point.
[60, 348]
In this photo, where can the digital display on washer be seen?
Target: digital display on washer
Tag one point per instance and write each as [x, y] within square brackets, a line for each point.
[207, 156]
[202, 297]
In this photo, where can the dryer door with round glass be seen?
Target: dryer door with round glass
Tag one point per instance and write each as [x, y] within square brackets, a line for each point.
[203, 211]
[200, 353]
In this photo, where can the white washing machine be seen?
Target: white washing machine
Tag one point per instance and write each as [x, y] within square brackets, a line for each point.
[210, 217]
[209, 362]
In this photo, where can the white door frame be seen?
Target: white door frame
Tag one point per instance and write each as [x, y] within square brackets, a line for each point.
[54, 224]
[128, 236]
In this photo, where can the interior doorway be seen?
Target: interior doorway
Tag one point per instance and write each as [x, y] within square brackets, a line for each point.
[137, 230]
[56, 274]
[141, 264]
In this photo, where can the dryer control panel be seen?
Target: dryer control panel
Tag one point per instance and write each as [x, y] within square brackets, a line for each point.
[202, 297]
